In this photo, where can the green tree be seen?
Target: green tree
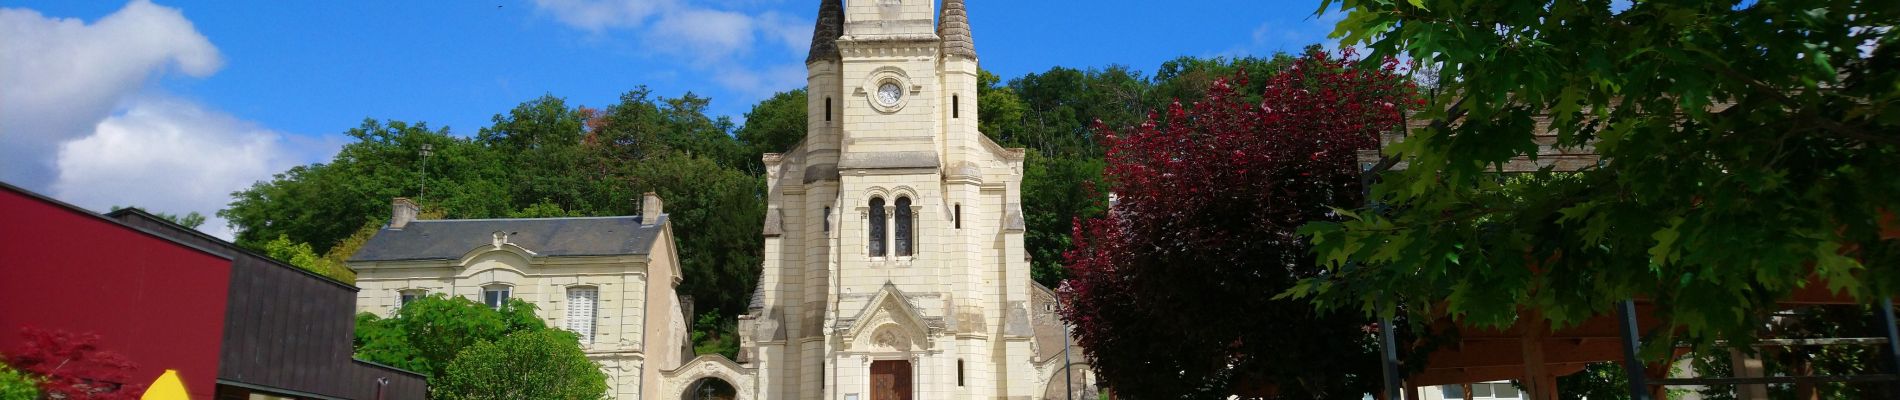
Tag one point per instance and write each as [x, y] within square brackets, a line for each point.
[1745, 150]
[191, 220]
[340, 253]
[774, 126]
[1058, 191]
[715, 334]
[17, 385]
[525, 365]
[301, 256]
[428, 333]
[628, 131]
[1190, 77]
[999, 110]
[692, 132]
[321, 204]
[385, 341]
[542, 143]
[717, 213]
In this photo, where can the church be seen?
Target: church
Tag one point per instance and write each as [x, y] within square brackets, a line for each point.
[894, 260]
[894, 266]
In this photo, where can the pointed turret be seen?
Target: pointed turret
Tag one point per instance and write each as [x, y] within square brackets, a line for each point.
[824, 37]
[954, 27]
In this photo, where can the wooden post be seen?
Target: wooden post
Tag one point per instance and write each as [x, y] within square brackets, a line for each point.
[1747, 366]
[1658, 371]
[1537, 378]
[1467, 391]
[1805, 390]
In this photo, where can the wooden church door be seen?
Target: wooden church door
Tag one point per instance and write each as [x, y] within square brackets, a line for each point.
[890, 380]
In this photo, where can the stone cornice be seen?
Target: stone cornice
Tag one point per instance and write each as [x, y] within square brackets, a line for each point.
[851, 47]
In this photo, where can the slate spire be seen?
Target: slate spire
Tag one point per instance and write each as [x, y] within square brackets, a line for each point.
[824, 37]
[953, 25]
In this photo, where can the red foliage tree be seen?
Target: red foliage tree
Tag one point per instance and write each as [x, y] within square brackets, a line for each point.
[1173, 292]
[72, 366]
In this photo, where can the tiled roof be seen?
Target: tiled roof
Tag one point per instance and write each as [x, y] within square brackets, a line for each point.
[824, 36]
[552, 237]
[954, 27]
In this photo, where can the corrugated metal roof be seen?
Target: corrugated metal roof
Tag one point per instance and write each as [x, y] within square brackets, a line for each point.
[551, 237]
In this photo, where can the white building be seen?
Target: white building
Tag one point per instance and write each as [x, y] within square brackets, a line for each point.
[1473, 391]
[894, 262]
[609, 279]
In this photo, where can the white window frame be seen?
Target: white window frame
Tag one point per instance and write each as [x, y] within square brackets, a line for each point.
[507, 292]
[406, 296]
[583, 312]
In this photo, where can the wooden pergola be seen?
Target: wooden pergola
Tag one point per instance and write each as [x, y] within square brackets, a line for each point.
[1534, 354]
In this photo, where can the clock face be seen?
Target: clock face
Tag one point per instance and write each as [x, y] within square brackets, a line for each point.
[888, 94]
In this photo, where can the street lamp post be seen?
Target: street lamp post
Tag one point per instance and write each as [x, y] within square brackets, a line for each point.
[427, 150]
[1068, 376]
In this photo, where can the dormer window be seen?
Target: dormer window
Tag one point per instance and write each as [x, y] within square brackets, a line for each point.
[496, 296]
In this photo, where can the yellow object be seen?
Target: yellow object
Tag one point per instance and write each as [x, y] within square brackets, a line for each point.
[167, 387]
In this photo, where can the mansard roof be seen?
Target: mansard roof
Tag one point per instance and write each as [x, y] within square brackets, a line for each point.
[547, 237]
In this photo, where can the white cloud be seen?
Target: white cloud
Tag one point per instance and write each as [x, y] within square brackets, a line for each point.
[1289, 36]
[759, 83]
[80, 121]
[716, 37]
[709, 35]
[61, 76]
[171, 155]
[597, 15]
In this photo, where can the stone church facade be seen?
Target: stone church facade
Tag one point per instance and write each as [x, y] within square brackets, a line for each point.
[894, 261]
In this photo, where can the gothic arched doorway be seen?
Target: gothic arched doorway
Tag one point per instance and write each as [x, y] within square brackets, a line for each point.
[711, 389]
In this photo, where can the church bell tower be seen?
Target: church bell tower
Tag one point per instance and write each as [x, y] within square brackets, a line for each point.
[894, 263]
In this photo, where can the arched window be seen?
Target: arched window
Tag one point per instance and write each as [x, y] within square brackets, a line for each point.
[955, 107]
[904, 227]
[827, 109]
[877, 227]
[959, 372]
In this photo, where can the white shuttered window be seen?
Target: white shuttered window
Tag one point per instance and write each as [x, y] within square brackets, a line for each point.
[582, 303]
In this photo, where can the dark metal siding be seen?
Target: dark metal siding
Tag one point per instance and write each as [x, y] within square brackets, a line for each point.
[288, 329]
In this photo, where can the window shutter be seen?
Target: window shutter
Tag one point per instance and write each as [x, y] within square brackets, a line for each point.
[582, 303]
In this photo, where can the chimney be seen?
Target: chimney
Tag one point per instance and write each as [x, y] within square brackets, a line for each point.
[651, 208]
[401, 213]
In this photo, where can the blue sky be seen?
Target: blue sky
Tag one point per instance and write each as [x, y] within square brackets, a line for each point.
[173, 104]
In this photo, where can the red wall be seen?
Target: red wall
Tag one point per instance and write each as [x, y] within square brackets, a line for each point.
[159, 303]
